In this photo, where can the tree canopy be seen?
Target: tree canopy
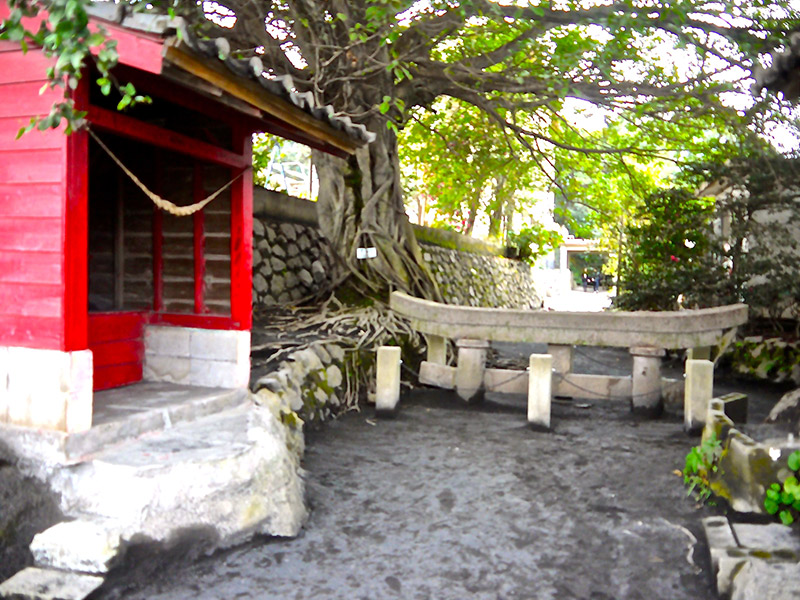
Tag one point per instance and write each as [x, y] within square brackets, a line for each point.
[663, 68]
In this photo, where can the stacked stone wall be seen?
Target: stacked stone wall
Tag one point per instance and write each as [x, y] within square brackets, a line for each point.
[291, 261]
[471, 279]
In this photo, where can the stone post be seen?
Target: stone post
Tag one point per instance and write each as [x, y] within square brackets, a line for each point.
[646, 380]
[698, 391]
[437, 349]
[540, 381]
[387, 390]
[470, 368]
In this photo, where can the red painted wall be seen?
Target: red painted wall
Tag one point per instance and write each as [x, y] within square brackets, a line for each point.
[32, 200]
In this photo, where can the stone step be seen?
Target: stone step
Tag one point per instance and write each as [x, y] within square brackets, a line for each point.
[230, 472]
[84, 545]
[35, 583]
[121, 416]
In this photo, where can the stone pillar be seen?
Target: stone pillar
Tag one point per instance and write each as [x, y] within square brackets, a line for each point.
[387, 389]
[562, 358]
[539, 390]
[646, 380]
[437, 349]
[698, 391]
[470, 368]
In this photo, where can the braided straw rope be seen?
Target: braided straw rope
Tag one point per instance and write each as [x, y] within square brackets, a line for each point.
[163, 204]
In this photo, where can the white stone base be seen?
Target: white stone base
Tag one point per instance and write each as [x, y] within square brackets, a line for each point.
[191, 356]
[46, 389]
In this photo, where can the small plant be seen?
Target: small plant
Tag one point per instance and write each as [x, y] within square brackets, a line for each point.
[701, 462]
[784, 500]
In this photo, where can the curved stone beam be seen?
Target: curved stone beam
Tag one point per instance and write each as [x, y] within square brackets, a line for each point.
[668, 329]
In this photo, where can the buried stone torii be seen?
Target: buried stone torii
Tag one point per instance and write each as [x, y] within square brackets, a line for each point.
[647, 335]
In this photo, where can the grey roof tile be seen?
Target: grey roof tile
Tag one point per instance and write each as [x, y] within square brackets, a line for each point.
[247, 68]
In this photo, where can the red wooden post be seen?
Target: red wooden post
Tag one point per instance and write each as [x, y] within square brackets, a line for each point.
[242, 236]
[76, 231]
[199, 243]
[158, 240]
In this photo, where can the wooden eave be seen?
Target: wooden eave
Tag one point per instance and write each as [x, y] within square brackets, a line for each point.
[295, 123]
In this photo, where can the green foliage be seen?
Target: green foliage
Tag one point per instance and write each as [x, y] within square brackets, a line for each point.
[66, 36]
[668, 254]
[532, 242]
[784, 499]
[701, 462]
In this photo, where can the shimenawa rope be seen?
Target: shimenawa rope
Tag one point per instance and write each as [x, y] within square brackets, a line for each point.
[163, 204]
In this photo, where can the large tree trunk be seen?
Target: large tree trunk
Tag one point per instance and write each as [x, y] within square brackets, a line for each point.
[361, 205]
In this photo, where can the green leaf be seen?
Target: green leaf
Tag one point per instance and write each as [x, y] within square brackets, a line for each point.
[124, 102]
[794, 460]
[786, 517]
[95, 39]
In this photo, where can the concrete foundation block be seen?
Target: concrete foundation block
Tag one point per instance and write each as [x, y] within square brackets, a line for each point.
[562, 358]
[441, 376]
[698, 393]
[48, 584]
[167, 341]
[171, 369]
[699, 353]
[85, 546]
[646, 381]
[506, 381]
[540, 381]
[387, 390]
[735, 407]
[437, 349]
[470, 369]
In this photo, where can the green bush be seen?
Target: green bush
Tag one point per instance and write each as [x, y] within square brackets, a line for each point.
[701, 462]
[784, 499]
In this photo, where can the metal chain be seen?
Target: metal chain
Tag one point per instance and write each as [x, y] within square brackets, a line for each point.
[163, 204]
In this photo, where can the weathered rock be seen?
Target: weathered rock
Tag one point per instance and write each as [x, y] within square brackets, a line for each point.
[278, 285]
[266, 268]
[304, 242]
[284, 298]
[760, 579]
[333, 375]
[269, 233]
[294, 262]
[48, 584]
[323, 354]
[260, 283]
[279, 251]
[787, 410]
[278, 266]
[256, 258]
[305, 261]
[305, 278]
[291, 280]
[288, 230]
[80, 545]
[292, 250]
[258, 228]
[317, 271]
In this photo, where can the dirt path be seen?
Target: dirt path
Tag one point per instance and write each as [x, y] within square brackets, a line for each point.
[450, 502]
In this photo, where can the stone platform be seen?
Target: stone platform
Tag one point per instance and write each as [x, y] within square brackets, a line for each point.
[161, 460]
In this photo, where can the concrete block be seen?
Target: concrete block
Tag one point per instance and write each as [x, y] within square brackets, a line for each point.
[167, 368]
[698, 393]
[506, 381]
[592, 387]
[48, 584]
[539, 390]
[719, 536]
[213, 344]
[387, 390]
[437, 349]
[699, 353]
[562, 357]
[437, 375]
[218, 373]
[470, 369]
[85, 546]
[167, 341]
[762, 579]
[735, 407]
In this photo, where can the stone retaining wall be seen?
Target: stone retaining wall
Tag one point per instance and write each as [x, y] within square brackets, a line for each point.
[291, 260]
[482, 280]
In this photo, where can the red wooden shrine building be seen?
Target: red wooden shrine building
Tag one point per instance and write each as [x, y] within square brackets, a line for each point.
[98, 286]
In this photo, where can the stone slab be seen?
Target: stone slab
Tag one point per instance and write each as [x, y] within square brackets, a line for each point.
[387, 388]
[441, 376]
[48, 584]
[764, 580]
[80, 545]
[772, 537]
